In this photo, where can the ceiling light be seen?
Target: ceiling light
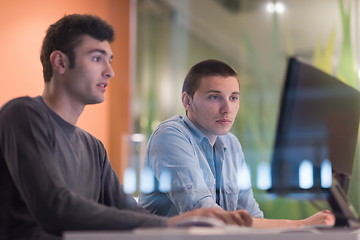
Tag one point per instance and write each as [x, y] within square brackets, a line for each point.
[277, 7]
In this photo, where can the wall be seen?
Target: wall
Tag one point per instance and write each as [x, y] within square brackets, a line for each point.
[23, 25]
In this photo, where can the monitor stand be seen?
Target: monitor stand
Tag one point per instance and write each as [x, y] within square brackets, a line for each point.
[344, 211]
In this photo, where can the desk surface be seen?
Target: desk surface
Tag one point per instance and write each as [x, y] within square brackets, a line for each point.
[199, 233]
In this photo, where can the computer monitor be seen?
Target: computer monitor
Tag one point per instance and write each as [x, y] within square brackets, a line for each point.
[316, 138]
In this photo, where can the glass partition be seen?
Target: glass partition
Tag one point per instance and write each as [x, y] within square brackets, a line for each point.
[255, 37]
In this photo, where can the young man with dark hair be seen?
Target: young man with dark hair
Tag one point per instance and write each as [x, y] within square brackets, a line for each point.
[203, 158]
[54, 176]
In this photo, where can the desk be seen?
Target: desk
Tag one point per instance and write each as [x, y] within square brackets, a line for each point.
[198, 233]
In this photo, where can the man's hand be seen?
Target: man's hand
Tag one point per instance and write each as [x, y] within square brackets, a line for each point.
[239, 217]
[324, 217]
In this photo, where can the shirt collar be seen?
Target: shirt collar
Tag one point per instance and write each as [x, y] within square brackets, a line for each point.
[199, 135]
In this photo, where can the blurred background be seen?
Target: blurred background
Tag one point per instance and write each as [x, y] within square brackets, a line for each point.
[159, 40]
[256, 37]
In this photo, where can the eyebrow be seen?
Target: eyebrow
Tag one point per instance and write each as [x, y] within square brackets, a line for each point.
[103, 52]
[216, 91]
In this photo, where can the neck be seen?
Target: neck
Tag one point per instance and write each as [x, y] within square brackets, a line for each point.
[212, 138]
[212, 141]
[62, 106]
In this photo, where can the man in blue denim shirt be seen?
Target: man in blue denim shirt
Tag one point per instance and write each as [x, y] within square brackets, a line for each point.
[178, 146]
[205, 161]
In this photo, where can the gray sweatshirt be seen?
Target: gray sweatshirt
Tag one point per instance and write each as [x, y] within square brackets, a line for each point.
[56, 177]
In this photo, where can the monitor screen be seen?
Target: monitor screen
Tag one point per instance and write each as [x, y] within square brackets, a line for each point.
[316, 133]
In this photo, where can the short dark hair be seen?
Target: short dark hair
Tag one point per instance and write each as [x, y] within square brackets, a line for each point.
[205, 69]
[67, 33]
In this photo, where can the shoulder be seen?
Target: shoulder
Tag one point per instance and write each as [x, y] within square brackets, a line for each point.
[20, 108]
[171, 132]
[18, 103]
[174, 124]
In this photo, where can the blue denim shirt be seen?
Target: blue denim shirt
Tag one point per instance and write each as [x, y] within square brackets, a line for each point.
[179, 147]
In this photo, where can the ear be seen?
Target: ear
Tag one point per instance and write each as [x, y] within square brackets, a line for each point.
[59, 61]
[187, 101]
